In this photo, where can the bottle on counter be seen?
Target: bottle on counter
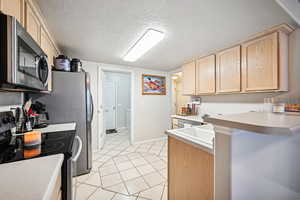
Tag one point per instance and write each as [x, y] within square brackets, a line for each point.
[268, 105]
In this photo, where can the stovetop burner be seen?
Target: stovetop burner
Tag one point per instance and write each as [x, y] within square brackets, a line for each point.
[52, 143]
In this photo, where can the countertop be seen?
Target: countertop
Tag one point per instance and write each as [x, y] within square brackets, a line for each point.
[58, 128]
[197, 142]
[32, 179]
[260, 122]
[189, 118]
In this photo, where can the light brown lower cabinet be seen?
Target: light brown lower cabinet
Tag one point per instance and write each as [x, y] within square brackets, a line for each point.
[191, 172]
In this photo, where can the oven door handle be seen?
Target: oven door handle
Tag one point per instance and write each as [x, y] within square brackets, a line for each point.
[75, 158]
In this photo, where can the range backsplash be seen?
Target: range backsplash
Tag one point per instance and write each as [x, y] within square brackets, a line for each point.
[11, 98]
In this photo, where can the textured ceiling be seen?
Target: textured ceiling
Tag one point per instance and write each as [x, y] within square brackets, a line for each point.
[103, 31]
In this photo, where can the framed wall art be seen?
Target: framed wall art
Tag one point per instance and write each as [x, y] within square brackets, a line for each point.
[153, 85]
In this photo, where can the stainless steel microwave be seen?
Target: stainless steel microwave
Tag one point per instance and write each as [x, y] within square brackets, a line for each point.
[23, 64]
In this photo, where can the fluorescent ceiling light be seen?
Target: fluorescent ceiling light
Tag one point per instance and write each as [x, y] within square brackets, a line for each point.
[144, 44]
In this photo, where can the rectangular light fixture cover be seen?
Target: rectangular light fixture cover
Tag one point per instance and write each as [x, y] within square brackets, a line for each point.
[144, 44]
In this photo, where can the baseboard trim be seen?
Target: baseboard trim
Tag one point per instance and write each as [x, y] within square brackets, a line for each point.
[151, 140]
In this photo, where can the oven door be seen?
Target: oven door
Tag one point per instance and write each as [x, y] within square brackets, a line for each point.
[31, 68]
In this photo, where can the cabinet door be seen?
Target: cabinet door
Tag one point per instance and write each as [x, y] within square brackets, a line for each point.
[260, 63]
[189, 79]
[205, 75]
[13, 8]
[32, 23]
[46, 45]
[229, 70]
[190, 172]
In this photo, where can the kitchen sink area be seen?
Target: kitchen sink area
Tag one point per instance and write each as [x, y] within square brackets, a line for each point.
[198, 135]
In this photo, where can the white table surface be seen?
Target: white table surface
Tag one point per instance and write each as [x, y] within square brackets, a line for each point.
[32, 179]
[260, 122]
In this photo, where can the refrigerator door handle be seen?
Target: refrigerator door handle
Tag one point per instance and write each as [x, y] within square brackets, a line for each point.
[75, 158]
[92, 107]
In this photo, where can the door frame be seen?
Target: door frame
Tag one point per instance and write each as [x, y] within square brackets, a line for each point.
[101, 71]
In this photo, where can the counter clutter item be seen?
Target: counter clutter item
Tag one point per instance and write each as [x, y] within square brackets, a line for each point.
[26, 179]
[260, 122]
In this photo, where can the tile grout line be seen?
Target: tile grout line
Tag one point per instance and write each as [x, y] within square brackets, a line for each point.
[134, 150]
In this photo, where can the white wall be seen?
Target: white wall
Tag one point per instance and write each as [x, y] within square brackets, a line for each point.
[151, 113]
[264, 167]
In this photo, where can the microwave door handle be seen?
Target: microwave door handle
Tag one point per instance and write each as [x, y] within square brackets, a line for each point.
[75, 158]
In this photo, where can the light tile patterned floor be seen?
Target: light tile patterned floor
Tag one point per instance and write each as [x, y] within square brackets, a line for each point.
[123, 171]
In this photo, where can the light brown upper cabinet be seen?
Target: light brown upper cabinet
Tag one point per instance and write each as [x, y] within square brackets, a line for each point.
[261, 67]
[189, 79]
[32, 23]
[13, 8]
[228, 70]
[206, 75]
[47, 46]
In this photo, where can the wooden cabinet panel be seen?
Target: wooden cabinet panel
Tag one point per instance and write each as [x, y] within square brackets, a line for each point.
[47, 47]
[260, 63]
[190, 172]
[205, 75]
[189, 79]
[13, 8]
[229, 70]
[32, 23]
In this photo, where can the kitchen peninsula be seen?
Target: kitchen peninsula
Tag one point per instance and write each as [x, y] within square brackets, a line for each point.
[256, 156]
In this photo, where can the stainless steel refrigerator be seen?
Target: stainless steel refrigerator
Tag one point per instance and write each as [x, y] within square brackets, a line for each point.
[71, 101]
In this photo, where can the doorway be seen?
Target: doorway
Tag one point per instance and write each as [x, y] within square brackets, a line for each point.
[116, 103]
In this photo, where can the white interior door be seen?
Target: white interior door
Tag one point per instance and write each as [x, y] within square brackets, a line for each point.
[109, 102]
[100, 111]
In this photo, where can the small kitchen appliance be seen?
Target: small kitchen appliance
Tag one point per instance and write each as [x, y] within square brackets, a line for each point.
[76, 65]
[24, 65]
[62, 63]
